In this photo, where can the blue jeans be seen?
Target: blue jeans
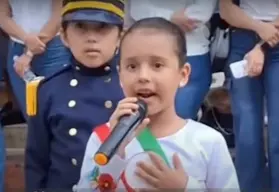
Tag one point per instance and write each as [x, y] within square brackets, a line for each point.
[2, 159]
[247, 98]
[189, 98]
[53, 59]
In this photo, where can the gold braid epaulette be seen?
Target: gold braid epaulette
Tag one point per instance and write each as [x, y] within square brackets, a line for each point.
[32, 96]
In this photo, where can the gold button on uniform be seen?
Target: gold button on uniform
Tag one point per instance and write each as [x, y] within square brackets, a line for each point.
[74, 188]
[15, 58]
[108, 104]
[107, 68]
[73, 82]
[108, 79]
[72, 131]
[72, 103]
[74, 161]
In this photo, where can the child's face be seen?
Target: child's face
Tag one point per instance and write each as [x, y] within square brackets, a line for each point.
[149, 69]
[92, 44]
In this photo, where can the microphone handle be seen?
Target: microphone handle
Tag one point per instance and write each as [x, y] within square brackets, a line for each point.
[119, 133]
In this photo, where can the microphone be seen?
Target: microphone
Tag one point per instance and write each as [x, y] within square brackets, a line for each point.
[123, 129]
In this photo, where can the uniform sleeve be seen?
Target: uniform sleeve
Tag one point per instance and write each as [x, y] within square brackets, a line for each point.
[114, 167]
[221, 174]
[201, 10]
[37, 154]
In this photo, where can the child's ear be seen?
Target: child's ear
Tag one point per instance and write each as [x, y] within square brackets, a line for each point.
[118, 43]
[185, 74]
[64, 38]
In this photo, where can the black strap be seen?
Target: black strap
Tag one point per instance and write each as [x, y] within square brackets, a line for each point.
[217, 22]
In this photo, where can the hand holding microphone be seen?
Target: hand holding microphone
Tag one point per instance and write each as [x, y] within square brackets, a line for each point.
[127, 121]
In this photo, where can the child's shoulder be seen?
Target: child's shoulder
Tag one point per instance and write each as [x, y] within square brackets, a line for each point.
[204, 134]
[55, 77]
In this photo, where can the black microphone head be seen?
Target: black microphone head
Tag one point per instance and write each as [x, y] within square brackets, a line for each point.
[142, 107]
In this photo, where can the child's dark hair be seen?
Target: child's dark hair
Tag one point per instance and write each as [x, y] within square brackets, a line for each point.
[64, 25]
[162, 25]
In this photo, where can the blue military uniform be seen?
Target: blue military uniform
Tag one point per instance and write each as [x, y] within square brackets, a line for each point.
[70, 104]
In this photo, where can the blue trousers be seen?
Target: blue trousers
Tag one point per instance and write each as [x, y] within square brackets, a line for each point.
[2, 159]
[247, 98]
[55, 56]
[190, 97]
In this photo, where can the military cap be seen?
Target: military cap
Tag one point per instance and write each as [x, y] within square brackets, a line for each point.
[106, 11]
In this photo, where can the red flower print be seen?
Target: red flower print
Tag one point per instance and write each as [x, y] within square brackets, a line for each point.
[106, 183]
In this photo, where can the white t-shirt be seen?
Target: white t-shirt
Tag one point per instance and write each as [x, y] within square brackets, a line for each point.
[203, 151]
[31, 15]
[197, 40]
[266, 10]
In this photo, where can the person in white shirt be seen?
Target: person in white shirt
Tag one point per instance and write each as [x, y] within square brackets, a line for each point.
[33, 28]
[192, 16]
[172, 153]
[255, 38]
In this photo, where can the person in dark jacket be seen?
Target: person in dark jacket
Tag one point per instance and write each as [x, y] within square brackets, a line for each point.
[74, 100]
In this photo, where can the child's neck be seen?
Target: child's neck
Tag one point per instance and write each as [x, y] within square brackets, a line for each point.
[166, 123]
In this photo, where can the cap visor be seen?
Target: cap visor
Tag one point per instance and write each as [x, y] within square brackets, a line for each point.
[94, 16]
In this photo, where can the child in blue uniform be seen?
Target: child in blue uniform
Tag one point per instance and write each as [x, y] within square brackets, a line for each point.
[65, 107]
[186, 155]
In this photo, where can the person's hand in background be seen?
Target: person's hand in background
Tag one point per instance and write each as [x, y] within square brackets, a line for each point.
[185, 23]
[269, 32]
[22, 63]
[255, 59]
[276, 23]
[34, 44]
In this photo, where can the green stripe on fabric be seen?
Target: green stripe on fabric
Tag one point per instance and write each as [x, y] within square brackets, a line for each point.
[149, 143]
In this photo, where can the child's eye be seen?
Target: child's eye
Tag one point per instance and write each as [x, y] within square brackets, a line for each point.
[158, 65]
[105, 26]
[131, 66]
[80, 25]
[99, 27]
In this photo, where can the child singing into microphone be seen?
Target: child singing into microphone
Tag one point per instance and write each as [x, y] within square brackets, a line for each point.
[168, 152]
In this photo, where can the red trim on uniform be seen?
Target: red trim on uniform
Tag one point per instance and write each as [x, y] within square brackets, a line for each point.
[102, 133]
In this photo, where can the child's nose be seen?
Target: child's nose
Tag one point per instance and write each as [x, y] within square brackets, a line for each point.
[92, 37]
[144, 74]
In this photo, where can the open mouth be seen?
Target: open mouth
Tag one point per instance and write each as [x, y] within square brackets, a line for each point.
[145, 94]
